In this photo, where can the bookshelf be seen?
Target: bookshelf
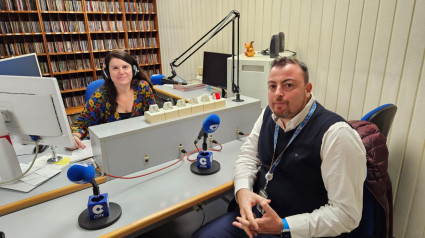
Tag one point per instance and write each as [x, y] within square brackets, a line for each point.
[72, 37]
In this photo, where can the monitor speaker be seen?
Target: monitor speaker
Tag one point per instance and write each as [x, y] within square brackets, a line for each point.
[274, 46]
[281, 42]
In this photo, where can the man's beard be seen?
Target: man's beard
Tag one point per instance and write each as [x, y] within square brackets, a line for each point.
[285, 114]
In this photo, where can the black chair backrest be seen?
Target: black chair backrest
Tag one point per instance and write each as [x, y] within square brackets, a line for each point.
[384, 118]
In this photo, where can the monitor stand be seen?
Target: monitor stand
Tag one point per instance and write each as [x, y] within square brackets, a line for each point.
[9, 163]
[55, 158]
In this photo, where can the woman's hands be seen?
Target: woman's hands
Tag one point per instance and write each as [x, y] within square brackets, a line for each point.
[77, 142]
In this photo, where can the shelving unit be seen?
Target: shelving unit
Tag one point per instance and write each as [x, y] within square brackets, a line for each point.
[72, 37]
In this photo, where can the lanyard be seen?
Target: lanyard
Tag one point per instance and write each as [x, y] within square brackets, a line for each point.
[269, 175]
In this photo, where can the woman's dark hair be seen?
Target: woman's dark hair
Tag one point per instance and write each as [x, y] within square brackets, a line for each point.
[110, 89]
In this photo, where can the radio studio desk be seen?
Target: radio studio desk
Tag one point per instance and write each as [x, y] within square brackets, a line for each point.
[150, 199]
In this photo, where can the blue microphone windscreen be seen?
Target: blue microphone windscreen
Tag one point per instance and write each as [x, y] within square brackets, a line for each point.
[211, 123]
[81, 173]
[156, 79]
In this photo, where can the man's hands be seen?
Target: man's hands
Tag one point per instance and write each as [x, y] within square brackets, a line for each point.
[77, 142]
[270, 223]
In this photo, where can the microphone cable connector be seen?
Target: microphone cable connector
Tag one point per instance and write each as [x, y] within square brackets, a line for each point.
[181, 150]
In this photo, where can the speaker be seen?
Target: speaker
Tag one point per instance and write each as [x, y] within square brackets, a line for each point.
[281, 42]
[274, 46]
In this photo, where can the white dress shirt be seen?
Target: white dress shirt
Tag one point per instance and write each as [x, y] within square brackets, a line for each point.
[343, 171]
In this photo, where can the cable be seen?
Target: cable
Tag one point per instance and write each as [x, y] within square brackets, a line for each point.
[293, 52]
[197, 150]
[203, 216]
[267, 52]
[24, 154]
[138, 176]
[242, 134]
[32, 163]
[193, 151]
[216, 142]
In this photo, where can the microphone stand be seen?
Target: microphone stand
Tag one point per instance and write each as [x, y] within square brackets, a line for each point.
[99, 200]
[204, 143]
[206, 155]
[96, 190]
[231, 17]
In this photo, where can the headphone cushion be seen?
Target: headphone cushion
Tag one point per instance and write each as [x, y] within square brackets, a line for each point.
[135, 70]
[105, 73]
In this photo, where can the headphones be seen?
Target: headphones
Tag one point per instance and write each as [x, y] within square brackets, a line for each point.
[135, 70]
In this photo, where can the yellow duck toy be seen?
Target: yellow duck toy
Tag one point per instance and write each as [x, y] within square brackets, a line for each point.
[249, 49]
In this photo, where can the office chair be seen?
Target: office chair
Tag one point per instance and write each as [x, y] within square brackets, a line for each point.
[373, 219]
[382, 117]
[92, 87]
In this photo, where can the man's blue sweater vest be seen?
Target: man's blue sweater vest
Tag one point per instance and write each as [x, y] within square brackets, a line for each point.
[297, 185]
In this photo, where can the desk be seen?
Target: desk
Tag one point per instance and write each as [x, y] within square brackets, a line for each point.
[144, 201]
[57, 186]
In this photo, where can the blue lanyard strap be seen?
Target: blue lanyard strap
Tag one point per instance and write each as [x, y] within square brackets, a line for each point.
[297, 131]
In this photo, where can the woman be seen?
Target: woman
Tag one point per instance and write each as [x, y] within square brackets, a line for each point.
[127, 92]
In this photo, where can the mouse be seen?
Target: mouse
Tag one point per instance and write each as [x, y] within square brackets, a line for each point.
[41, 148]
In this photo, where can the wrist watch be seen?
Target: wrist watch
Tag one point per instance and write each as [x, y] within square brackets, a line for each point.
[285, 233]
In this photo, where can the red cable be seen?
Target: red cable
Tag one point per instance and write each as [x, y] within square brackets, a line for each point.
[190, 154]
[138, 176]
[221, 147]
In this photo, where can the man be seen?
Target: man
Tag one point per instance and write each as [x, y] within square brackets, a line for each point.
[301, 171]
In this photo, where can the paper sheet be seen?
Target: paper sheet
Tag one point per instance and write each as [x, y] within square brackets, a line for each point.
[82, 154]
[32, 179]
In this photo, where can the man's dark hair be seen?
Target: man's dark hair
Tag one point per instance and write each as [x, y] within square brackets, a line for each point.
[282, 61]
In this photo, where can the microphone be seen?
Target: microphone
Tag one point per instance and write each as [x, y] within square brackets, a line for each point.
[210, 125]
[81, 173]
[205, 165]
[159, 79]
[99, 213]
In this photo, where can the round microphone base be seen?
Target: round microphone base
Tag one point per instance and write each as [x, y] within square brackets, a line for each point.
[114, 214]
[215, 167]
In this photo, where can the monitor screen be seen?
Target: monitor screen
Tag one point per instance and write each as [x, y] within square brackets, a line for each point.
[215, 69]
[23, 65]
[34, 106]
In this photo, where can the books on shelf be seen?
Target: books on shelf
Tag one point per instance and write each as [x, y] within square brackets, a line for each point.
[19, 5]
[75, 82]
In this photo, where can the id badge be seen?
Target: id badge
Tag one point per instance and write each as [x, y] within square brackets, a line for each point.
[263, 194]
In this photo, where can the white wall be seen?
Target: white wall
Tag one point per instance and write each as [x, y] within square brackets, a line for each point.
[361, 54]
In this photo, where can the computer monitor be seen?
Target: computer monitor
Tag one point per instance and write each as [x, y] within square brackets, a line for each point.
[30, 106]
[23, 65]
[215, 69]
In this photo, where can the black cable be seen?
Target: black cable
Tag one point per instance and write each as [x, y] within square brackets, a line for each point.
[293, 52]
[266, 51]
[203, 216]
[24, 154]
